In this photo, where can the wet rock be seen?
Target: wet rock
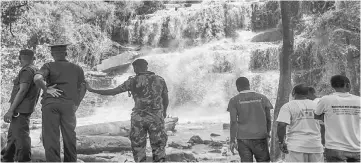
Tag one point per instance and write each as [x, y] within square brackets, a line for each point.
[180, 156]
[195, 140]
[226, 126]
[216, 144]
[98, 144]
[180, 145]
[206, 142]
[215, 151]
[214, 135]
[90, 158]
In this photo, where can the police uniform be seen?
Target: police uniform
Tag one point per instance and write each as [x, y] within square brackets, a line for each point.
[60, 111]
[147, 116]
[18, 146]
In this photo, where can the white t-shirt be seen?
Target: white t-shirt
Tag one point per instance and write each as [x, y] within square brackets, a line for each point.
[303, 131]
[342, 121]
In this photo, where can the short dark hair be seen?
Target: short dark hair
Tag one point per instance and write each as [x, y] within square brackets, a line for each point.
[311, 90]
[29, 54]
[339, 81]
[140, 62]
[300, 89]
[242, 82]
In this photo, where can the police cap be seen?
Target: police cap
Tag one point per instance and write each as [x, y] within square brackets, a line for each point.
[140, 62]
[27, 52]
[58, 47]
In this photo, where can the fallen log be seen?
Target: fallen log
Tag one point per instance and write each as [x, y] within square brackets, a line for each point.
[98, 144]
[118, 128]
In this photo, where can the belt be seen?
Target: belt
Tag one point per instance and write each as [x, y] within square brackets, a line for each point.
[16, 115]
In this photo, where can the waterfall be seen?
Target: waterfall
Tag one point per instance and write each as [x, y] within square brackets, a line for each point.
[200, 80]
[191, 26]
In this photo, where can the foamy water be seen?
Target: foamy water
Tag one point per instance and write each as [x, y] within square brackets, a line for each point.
[200, 81]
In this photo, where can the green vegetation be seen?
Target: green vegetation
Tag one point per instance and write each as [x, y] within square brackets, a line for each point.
[87, 26]
[327, 42]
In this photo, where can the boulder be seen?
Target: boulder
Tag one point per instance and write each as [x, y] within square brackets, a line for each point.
[118, 63]
[195, 140]
[216, 144]
[98, 144]
[180, 156]
[180, 145]
[177, 156]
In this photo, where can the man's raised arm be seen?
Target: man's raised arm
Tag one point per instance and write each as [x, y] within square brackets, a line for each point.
[111, 92]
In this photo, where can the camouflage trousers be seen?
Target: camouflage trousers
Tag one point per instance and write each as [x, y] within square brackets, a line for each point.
[151, 122]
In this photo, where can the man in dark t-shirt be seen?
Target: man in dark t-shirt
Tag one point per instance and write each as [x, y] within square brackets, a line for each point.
[24, 97]
[250, 123]
[63, 91]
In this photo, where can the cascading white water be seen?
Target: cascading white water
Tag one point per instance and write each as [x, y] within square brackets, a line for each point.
[201, 80]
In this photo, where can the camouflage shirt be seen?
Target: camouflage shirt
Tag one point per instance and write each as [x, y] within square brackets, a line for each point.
[147, 90]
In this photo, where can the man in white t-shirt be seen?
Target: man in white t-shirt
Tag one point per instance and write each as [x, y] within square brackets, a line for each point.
[303, 133]
[342, 122]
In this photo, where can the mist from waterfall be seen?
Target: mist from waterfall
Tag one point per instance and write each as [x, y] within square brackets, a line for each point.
[200, 80]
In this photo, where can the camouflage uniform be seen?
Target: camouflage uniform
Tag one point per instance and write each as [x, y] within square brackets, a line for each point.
[147, 116]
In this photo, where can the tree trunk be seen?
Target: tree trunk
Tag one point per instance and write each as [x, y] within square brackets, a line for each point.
[351, 69]
[284, 86]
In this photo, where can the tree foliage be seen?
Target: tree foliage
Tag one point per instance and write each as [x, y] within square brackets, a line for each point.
[87, 26]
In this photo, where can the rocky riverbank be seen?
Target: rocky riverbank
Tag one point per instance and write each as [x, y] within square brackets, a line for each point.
[108, 142]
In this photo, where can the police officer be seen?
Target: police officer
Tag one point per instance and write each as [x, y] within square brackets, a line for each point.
[150, 95]
[63, 84]
[24, 97]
